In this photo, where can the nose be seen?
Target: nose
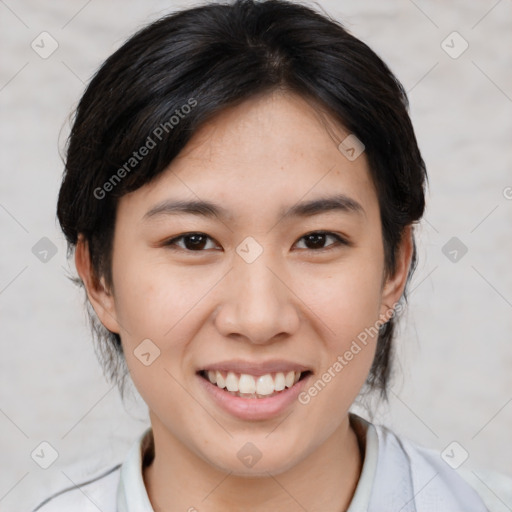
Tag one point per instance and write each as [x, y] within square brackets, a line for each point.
[257, 303]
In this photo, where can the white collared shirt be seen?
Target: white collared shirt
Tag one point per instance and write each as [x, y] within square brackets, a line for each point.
[397, 475]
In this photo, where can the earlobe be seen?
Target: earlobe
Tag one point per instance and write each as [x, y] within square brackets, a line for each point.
[100, 297]
[394, 285]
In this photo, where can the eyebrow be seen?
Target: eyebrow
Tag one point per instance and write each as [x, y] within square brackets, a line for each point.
[339, 202]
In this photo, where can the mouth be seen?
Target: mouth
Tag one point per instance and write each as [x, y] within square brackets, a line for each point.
[249, 386]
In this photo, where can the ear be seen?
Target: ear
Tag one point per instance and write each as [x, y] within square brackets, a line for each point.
[394, 285]
[100, 297]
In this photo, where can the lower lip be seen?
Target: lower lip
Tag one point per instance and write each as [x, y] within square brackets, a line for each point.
[253, 408]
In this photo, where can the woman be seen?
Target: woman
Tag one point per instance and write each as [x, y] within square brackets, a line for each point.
[241, 187]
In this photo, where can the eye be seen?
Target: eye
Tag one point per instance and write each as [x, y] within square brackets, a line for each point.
[316, 240]
[191, 242]
[198, 242]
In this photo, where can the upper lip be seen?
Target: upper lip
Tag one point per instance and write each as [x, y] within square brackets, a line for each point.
[256, 368]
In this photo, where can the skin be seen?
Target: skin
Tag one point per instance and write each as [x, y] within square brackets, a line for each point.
[296, 301]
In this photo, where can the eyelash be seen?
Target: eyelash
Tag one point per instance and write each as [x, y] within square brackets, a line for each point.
[339, 241]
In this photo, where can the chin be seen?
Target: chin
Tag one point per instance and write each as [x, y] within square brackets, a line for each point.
[249, 461]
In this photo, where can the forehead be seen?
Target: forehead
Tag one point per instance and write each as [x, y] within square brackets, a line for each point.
[268, 152]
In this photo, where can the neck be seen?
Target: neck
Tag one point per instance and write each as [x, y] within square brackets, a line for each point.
[324, 481]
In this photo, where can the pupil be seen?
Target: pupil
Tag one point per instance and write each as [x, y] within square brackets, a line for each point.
[197, 241]
[318, 239]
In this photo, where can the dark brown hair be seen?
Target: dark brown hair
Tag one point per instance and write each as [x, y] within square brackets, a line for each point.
[209, 58]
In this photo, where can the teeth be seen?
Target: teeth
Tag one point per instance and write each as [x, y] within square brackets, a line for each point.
[220, 381]
[265, 385]
[289, 378]
[231, 382]
[280, 382]
[246, 384]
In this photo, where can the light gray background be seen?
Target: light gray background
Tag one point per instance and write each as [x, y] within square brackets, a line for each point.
[455, 357]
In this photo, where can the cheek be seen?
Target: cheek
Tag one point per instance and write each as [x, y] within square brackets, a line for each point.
[156, 310]
[347, 302]
[140, 300]
[151, 298]
[346, 298]
[164, 305]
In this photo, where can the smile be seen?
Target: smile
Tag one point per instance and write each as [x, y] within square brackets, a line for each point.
[245, 385]
[253, 390]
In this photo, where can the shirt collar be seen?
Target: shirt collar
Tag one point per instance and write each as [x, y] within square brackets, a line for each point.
[369, 442]
[131, 491]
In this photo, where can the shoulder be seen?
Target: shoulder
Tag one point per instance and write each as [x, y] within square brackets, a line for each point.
[92, 493]
[435, 482]
[493, 487]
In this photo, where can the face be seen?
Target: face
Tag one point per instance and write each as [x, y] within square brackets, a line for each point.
[264, 281]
